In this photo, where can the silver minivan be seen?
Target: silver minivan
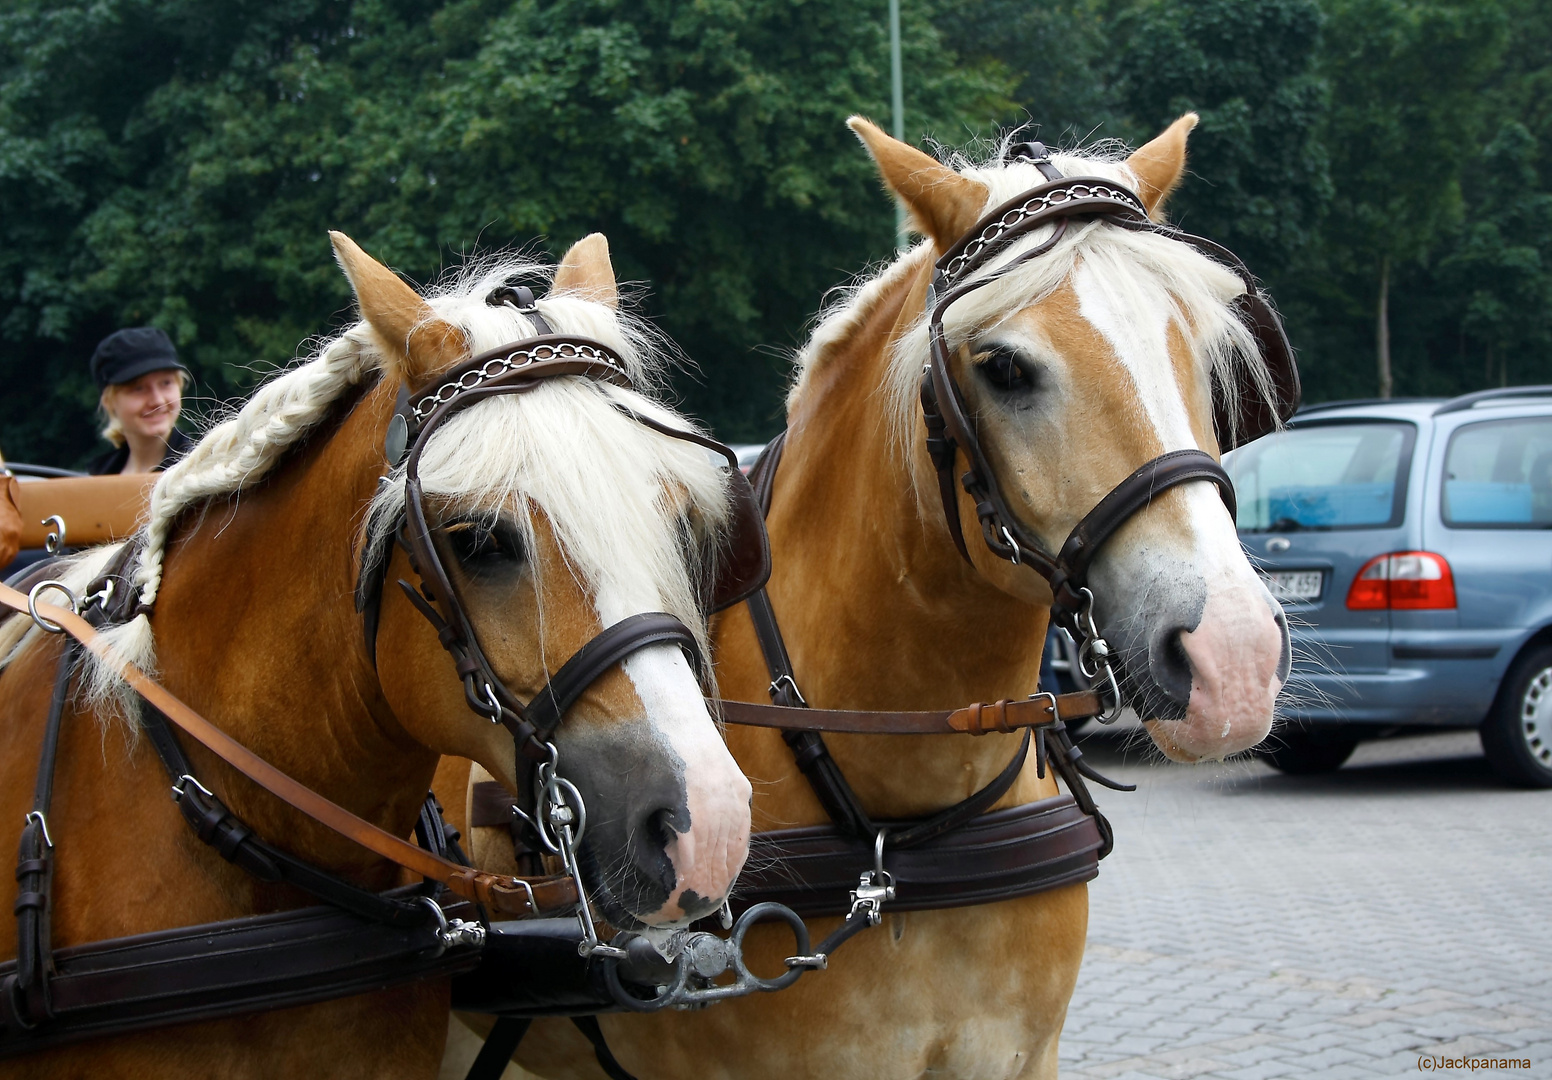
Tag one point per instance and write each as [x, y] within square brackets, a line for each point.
[1410, 542]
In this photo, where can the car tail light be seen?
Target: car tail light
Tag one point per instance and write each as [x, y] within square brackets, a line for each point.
[1403, 580]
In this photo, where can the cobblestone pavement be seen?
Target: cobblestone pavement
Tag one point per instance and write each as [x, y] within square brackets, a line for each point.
[1254, 925]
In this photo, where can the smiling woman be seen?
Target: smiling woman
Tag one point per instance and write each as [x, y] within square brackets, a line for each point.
[141, 382]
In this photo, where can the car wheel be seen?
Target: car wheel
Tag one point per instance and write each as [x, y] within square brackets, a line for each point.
[1302, 751]
[1517, 734]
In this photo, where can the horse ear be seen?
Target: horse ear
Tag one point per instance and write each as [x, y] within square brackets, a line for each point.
[585, 271]
[943, 204]
[1160, 164]
[415, 339]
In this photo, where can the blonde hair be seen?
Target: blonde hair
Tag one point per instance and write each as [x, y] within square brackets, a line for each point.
[112, 430]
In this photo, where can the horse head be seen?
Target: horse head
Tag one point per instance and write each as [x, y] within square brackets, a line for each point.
[1076, 366]
[556, 514]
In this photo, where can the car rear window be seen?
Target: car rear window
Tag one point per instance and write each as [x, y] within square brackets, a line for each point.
[1324, 476]
[1498, 475]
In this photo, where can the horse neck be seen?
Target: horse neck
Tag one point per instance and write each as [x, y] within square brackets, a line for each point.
[878, 609]
[256, 628]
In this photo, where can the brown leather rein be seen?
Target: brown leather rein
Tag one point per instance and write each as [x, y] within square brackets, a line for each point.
[978, 719]
[509, 895]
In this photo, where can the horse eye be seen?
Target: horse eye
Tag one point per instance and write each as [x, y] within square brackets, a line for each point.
[1001, 368]
[477, 543]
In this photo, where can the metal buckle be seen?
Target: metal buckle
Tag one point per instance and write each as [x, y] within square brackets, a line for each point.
[1012, 543]
[1051, 702]
[791, 685]
[42, 821]
[177, 788]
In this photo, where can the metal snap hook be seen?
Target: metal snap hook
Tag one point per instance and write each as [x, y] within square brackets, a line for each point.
[102, 597]
[453, 933]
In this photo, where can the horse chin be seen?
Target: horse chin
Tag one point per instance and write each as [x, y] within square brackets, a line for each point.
[1193, 740]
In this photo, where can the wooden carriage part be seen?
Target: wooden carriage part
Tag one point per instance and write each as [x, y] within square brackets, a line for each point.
[95, 509]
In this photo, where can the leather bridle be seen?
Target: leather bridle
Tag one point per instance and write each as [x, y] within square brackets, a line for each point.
[519, 368]
[950, 428]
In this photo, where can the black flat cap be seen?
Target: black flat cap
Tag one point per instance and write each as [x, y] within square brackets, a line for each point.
[125, 355]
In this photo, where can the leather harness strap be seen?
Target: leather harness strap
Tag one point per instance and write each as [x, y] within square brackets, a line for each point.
[513, 896]
[996, 856]
[28, 998]
[235, 967]
[977, 719]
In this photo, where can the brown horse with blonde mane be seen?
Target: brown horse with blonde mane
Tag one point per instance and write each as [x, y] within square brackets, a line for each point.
[1077, 367]
[556, 514]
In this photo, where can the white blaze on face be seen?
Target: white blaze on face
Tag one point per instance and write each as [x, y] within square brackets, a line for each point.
[1237, 647]
[708, 857]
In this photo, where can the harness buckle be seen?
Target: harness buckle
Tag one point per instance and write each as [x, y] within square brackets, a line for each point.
[792, 688]
[177, 788]
[37, 815]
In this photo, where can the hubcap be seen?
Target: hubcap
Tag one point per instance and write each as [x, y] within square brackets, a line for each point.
[1536, 718]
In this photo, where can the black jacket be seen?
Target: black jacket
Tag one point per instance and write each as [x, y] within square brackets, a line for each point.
[113, 461]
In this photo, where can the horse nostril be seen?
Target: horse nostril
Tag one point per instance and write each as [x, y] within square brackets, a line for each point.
[661, 825]
[1169, 667]
[1285, 659]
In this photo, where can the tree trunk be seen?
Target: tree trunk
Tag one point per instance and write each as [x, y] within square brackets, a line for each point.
[1382, 329]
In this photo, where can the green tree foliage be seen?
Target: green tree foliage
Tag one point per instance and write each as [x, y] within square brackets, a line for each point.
[1259, 182]
[178, 162]
[1499, 266]
[1406, 80]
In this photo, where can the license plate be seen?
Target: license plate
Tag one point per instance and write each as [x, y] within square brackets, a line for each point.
[1295, 584]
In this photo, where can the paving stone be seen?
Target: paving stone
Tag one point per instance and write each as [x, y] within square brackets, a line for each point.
[1253, 925]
